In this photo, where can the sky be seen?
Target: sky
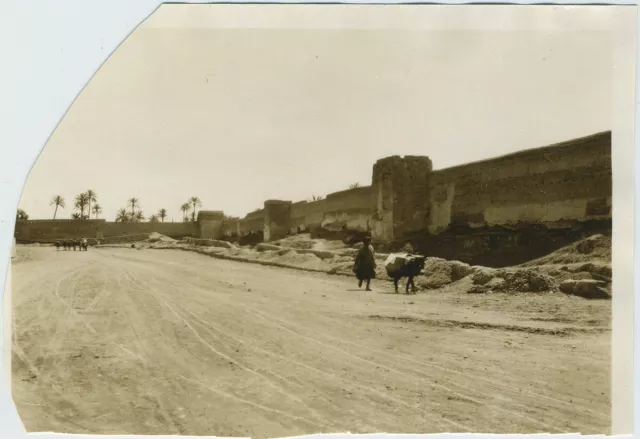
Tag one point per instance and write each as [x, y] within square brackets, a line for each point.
[238, 116]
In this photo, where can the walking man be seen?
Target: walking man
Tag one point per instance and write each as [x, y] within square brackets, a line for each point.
[365, 264]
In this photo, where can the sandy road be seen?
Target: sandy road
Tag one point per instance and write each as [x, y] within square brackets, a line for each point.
[119, 341]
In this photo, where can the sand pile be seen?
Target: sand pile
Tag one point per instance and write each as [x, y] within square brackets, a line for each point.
[304, 241]
[439, 272]
[530, 280]
[582, 268]
[596, 248]
[157, 237]
[587, 288]
[526, 281]
[267, 247]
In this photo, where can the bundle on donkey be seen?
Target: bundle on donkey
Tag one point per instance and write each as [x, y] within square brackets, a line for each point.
[399, 265]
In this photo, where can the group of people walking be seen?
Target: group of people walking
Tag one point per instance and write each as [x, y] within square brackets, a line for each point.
[69, 244]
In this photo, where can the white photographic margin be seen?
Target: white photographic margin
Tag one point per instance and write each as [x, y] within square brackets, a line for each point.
[51, 49]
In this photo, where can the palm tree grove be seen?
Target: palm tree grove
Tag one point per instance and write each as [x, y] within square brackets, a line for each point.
[86, 206]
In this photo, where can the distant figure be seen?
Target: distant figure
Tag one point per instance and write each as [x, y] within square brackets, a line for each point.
[365, 264]
[84, 244]
[74, 244]
[64, 244]
[57, 244]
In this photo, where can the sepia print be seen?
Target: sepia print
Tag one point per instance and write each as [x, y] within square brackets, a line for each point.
[277, 231]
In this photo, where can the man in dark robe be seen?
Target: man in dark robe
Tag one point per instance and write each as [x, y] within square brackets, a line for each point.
[365, 264]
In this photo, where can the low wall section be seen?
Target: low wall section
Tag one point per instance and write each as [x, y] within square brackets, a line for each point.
[51, 230]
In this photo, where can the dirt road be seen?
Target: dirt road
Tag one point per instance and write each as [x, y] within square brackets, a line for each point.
[119, 341]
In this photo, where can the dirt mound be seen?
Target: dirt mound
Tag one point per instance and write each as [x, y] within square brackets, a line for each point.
[587, 288]
[304, 241]
[587, 275]
[322, 254]
[483, 275]
[527, 281]
[439, 272]
[595, 248]
[157, 237]
[266, 247]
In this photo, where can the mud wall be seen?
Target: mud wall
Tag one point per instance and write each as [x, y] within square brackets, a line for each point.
[230, 227]
[253, 223]
[520, 206]
[401, 186]
[172, 230]
[277, 220]
[50, 230]
[500, 211]
[496, 212]
[562, 183]
[337, 214]
[210, 224]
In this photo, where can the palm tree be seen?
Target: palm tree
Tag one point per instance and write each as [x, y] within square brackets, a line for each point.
[153, 219]
[138, 216]
[185, 208]
[76, 216]
[81, 203]
[91, 197]
[122, 216]
[133, 203]
[195, 202]
[58, 201]
[97, 210]
[22, 215]
[354, 185]
[316, 198]
[162, 214]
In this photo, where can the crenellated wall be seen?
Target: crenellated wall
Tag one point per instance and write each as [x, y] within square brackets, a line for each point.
[566, 182]
[513, 208]
[498, 211]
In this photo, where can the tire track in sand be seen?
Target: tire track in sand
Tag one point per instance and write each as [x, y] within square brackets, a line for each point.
[495, 383]
[397, 401]
[278, 322]
[149, 290]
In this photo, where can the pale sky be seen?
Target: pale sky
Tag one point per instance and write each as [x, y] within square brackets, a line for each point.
[236, 117]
